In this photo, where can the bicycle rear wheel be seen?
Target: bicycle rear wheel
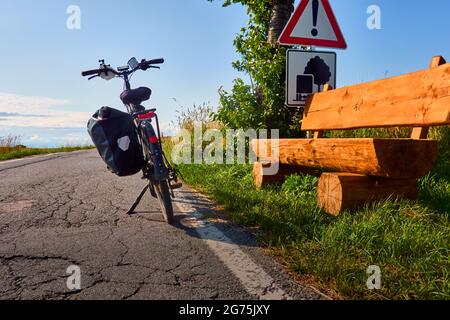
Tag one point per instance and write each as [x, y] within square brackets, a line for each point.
[165, 200]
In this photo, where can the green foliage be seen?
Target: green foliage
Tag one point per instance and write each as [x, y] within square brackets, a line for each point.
[300, 185]
[259, 105]
[436, 186]
[382, 133]
[442, 134]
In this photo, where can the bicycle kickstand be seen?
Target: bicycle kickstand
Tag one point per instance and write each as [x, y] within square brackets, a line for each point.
[138, 200]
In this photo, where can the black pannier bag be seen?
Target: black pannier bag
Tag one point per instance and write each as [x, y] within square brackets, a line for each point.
[115, 137]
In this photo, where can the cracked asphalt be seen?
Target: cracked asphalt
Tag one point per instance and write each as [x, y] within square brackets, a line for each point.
[67, 209]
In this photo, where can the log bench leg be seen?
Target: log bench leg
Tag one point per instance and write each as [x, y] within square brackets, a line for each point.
[340, 191]
[284, 171]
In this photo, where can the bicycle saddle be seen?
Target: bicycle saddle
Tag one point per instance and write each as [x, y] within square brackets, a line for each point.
[136, 96]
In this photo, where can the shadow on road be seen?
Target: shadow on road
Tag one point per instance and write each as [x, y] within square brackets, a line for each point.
[201, 218]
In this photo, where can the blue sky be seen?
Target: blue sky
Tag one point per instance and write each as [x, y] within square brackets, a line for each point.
[44, 99]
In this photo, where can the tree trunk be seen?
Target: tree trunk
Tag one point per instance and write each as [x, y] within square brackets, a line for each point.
[281, 12]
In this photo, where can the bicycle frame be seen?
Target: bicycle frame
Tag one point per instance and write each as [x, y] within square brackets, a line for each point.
[150, 140]
[151, 143]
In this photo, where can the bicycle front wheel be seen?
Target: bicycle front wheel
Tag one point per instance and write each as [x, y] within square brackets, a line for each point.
[165, 200]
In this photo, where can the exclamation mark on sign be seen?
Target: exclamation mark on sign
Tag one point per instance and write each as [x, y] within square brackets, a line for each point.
[315, 5]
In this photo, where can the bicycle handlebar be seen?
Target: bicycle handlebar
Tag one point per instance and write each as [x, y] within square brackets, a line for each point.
[144, 65]
[154, 61]
[91, 72]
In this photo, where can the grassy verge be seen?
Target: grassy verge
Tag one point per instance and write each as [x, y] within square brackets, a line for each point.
[8, 153]
[409, 241]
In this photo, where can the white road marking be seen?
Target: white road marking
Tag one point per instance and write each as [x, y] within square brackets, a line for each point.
[254, 279]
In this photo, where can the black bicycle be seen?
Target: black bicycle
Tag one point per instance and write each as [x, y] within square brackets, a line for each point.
[162, 178]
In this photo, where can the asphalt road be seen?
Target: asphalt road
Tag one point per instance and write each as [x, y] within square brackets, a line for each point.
[67, 210]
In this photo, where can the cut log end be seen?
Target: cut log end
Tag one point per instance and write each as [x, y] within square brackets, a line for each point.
[329, 194]
[345, 191]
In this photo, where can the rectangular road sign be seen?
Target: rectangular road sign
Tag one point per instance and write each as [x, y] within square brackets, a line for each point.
[307, 72]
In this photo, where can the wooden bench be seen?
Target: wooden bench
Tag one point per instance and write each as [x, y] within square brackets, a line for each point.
[357, 171]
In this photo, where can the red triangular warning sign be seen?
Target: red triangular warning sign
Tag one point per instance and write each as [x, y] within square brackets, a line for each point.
[313, 24]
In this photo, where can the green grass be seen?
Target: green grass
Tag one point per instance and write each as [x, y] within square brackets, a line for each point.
[8, 153]
[408, 240]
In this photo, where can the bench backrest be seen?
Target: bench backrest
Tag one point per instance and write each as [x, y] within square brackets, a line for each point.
[420, 100]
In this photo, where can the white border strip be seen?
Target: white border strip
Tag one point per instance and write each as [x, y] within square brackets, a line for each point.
[254, 279]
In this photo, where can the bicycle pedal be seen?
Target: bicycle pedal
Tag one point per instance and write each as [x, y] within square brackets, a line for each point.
[177, 185]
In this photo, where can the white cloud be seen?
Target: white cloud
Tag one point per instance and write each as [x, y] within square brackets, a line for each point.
[36, 138]
[40, 112]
